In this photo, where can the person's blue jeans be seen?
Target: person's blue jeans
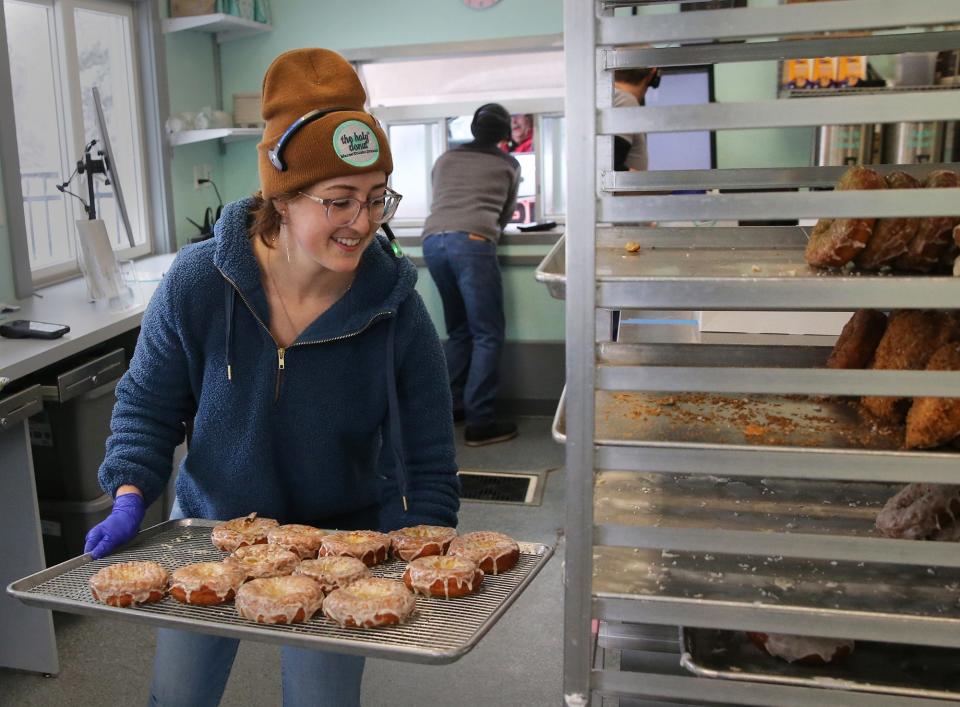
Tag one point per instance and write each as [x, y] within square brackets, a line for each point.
[467, 276]
[191, 670]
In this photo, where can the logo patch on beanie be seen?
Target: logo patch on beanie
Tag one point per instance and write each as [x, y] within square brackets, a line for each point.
[356, 144]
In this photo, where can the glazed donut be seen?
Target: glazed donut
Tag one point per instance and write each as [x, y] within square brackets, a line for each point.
[304, 540]
[370, 602]
[443, 576]
[366, 545]
[421, 540]
[493, 552]
[333, 572]
[206, 583]
[805, 650]
[258, 561]
[279, 600]
[127, 583]
[240, 532]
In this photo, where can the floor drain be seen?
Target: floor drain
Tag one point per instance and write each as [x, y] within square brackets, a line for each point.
[525, 488]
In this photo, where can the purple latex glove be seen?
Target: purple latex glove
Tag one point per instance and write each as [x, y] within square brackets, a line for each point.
[120, 527]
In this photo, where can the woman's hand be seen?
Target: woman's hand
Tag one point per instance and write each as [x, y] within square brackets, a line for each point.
[120, 527]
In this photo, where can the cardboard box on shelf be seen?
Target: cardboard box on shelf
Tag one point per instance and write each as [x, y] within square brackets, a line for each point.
[187, 8]
[246, 110]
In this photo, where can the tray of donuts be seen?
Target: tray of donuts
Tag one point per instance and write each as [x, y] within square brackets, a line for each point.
[421, 594]
[810, 661]
[915, 245]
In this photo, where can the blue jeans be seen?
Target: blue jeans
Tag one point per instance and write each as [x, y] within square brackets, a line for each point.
[467, 275]
[191, 669]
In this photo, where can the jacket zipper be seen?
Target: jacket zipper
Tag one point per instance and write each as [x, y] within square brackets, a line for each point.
[280, 366]
[282, 351]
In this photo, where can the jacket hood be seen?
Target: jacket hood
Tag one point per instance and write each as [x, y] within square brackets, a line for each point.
[382, 283]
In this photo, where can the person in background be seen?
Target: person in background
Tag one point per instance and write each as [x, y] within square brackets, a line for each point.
[521, 133]
[296, 343]
[629, 89]
[474, 193]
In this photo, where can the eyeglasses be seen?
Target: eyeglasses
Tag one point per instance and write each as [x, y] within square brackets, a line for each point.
[344, 211]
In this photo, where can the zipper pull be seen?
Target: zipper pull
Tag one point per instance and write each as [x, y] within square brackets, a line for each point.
[280, 354]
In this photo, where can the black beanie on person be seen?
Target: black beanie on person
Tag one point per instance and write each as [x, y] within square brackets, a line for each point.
[491, 124]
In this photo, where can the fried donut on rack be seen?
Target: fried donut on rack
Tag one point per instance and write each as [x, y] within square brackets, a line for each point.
[919, 511]
[368, 546]
[932, 422]
[333, 572]
[835, 242]
[279, 600]
[890, 236]
[805, 650]
[304, 540]
[493, 552]
[126, 583]
[421, 540]
[206, 583]
[859, 340]
[239, 532]
[911, 338]
[370, 602]
[443, 576]
[259, 561]
[934, 234]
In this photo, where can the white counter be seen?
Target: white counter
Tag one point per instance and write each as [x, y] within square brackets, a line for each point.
[90, 323]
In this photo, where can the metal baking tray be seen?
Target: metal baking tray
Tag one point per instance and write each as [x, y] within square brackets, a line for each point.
[859, 600]
[888, 668]
[800, 518]
[441, 630]
[822, 508]
[746, 421]
[799, 506]
[552, 271]
[735, 268]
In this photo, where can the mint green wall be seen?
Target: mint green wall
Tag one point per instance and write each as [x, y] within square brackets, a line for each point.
[769, 147]
[192, 85]
[532, 315]
[307, 23]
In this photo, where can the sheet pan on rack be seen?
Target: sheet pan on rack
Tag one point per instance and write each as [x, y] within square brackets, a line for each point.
[886, 668]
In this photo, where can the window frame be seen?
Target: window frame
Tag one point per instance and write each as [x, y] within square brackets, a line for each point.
[438, 147]
[149, 77]
[438, 113]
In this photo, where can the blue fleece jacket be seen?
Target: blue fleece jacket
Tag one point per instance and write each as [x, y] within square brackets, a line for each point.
[336, 430]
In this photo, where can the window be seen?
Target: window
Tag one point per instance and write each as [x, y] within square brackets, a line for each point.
[415, 147]
[427, 105]
[59, 50]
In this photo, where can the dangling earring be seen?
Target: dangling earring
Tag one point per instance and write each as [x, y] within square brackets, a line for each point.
[286, 239]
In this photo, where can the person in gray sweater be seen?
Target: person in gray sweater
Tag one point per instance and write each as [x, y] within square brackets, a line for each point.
[474, 195]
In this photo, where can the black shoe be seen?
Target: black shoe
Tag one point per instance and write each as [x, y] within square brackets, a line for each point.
[491, 433]
[459, 416]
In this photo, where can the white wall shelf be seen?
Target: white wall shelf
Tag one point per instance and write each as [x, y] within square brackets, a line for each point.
[185, 137]
[226, 27]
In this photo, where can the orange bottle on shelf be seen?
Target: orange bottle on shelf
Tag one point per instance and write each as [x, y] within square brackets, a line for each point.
[851, 70]
[824, 72]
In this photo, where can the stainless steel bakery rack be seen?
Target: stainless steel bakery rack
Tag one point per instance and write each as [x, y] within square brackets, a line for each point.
[440, 631]
[727, 486]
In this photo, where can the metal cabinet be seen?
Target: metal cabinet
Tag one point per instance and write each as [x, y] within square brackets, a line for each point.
[660, 419]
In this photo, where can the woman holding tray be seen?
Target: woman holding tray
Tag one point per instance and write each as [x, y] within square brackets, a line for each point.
[296, 344]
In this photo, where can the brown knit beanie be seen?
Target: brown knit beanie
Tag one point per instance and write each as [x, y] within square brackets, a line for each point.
[347, 140]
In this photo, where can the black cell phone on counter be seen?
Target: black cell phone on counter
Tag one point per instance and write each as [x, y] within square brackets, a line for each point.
[27, 329]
